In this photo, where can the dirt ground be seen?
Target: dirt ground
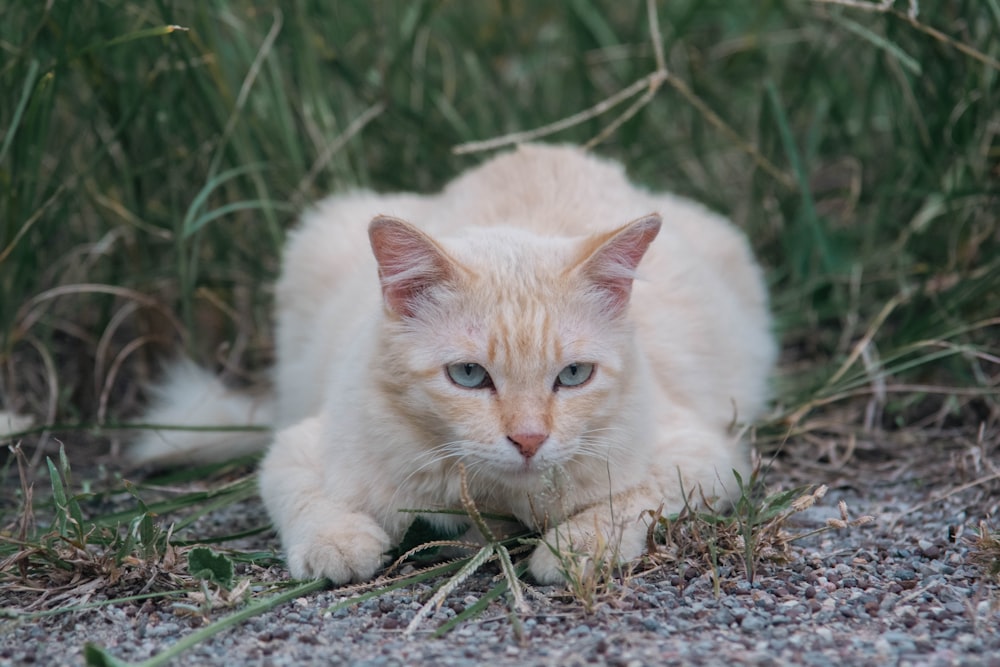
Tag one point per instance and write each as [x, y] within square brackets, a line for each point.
[909, 588]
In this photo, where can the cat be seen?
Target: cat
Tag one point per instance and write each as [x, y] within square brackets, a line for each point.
[581, 346]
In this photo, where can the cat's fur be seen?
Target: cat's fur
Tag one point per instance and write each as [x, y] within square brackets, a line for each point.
[524, 265]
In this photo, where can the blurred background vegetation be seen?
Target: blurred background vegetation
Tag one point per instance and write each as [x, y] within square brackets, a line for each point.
[152, 153]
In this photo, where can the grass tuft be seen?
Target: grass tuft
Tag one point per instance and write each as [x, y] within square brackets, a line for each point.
[985, 552]
[756, 531]
[72, 557]
[494, 549]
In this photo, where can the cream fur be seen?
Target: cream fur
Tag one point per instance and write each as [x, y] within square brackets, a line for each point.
[514, 278]
[189, 395]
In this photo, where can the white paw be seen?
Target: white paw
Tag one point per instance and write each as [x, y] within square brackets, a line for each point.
[579, 545]
[353, 550]
[545, 567]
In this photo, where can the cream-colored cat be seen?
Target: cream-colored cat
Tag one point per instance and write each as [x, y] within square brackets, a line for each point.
[506, 324]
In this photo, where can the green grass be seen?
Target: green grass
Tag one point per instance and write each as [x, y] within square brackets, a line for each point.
[169, 161]
[153, 153]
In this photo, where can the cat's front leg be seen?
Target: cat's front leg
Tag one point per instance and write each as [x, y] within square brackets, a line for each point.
[616, 528]
[350, 548]
[322, 532]
[611, 530]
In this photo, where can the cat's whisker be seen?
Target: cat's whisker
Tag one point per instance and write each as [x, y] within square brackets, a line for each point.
[617, 429]
[478, 481]
[435, 455]
[454, 451]
[602, 449]
[593, 445]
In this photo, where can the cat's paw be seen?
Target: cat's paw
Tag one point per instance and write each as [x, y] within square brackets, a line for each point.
[579, 546]
[351, 551]
[546, 567]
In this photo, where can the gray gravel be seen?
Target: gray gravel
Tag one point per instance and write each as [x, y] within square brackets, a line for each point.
[901, 591]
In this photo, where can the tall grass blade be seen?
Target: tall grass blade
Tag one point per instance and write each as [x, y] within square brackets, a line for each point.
[192, 222]
[905, 59]
[807, 213]
[11, 130]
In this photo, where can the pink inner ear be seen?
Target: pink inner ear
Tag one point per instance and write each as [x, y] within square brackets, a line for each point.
[409, 263]
[611, 267]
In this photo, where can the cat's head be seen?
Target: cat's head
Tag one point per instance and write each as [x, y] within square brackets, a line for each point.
[512, 352]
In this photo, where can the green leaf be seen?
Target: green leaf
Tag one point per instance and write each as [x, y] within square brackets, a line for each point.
[194, 224]
[904, 59]
[203, 563]
[72, 506]
[59, 497]
[475, 609]
[191, 223]
[27, 88]
[58, 490]
[95, 656]
[807, 214]
[147, 533]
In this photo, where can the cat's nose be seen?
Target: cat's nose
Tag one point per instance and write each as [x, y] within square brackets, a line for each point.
[528, 443]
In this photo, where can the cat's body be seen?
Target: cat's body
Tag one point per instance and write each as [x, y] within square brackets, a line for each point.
[508, 336]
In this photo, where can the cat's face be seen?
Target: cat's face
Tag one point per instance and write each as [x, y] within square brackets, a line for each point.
[516, 357]
[515, 391]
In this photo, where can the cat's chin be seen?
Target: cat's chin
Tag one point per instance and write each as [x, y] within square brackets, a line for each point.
[516, 469]
[522, 474]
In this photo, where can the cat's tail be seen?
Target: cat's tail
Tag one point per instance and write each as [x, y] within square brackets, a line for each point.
[195, 418]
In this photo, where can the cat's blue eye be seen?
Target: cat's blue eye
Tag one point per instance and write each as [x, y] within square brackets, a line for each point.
[574, 375]
[470, 376]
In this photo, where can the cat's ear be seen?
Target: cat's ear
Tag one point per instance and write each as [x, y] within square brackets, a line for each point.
[409, 263]
[610, 260]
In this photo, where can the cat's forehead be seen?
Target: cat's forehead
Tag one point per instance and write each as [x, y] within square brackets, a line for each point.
[511, 275]
[520, 307]
[510, 256]
[512, 324]
[523, 341]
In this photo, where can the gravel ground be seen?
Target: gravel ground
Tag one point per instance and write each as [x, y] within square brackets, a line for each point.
[899, 591]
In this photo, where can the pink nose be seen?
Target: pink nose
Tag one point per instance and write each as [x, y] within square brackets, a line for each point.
[528, 443]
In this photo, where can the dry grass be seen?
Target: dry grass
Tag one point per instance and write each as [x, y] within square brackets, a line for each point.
[986, 551]
[66, 563]
[755, 532]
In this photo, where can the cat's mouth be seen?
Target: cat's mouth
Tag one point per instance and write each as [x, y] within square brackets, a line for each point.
[522, 470]
[505, 464]
[531, 467]
[526, 467]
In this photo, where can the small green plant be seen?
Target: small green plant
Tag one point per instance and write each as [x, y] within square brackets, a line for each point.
[205, 564]
[753, 531]
[52, 544]
[215, 574]
[71, 552]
